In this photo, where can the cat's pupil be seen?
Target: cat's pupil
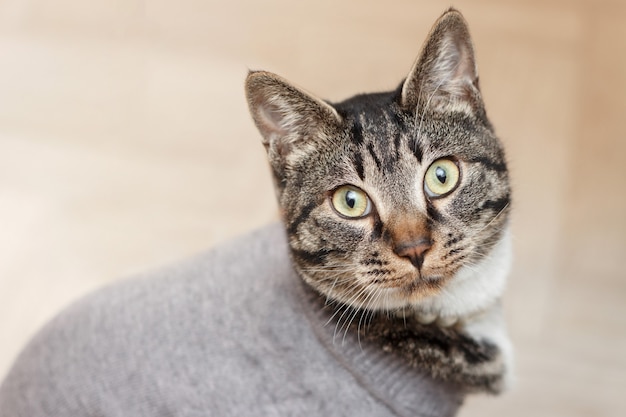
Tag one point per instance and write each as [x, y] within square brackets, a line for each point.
[441, 175]
[351, 199]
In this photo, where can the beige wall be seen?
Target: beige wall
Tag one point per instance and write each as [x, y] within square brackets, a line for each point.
[125, 144]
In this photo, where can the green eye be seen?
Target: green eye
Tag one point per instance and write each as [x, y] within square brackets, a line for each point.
[441, 178]
[350, 201]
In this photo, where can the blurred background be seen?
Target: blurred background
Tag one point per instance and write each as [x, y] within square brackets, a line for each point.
[126, 144]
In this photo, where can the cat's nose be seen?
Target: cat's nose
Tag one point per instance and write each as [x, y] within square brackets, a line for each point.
[414, 250]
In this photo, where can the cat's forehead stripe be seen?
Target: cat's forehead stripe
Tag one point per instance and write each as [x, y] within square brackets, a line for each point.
[357, 160]
[385, 133]
[416, 147]
[397, 142]
[370, 149]
[356, 134]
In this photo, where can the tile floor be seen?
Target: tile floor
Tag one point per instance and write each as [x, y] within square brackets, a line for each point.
[125, 144]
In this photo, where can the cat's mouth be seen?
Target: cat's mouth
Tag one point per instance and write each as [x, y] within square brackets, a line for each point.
[400, 291]
[433, 282]
[415, 284]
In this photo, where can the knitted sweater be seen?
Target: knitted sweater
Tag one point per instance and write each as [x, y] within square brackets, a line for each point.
[232, 332]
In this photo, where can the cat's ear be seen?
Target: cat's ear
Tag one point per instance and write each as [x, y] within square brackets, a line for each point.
[445, 75]
[289, 119]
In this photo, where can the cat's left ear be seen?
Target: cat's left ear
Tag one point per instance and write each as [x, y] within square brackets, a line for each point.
[290, 120]
[445, 75]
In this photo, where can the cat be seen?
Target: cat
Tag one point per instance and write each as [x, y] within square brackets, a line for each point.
[398, 203]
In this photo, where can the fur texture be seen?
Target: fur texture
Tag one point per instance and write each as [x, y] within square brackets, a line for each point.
[442, 258]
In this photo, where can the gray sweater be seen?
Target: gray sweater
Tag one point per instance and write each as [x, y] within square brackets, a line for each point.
[233, 332]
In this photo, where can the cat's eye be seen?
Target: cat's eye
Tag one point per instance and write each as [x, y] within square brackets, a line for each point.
[349, 201]
[441, 178]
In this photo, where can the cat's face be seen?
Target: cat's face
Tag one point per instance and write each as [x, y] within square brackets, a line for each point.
[387, 197]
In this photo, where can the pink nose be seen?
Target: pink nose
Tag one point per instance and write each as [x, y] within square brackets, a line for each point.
[414, 250]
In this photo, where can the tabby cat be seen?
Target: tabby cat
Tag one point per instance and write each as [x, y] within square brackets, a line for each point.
[399, 201]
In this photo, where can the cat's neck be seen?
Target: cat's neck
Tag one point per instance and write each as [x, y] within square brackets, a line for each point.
[403, 385]
[392, 354]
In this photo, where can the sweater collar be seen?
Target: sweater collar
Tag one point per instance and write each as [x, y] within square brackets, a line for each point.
[361, 342]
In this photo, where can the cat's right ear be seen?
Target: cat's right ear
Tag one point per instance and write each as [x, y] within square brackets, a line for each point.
[287, 117]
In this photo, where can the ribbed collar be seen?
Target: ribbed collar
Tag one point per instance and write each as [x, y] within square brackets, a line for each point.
[403, 387]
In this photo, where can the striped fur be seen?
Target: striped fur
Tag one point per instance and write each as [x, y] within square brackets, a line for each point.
[384, 143]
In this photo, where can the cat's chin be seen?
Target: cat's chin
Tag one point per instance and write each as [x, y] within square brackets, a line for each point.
[418, 287]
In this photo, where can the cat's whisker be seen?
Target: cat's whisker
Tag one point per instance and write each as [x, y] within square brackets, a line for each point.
[338, 280]
[371, 312]
[364, 297]
[494, 218]
[374, 301]
[342, 307]
[351, 319]
[322, 268]
[469, 265]
[363, 308]
[339, 277]
[354, 299]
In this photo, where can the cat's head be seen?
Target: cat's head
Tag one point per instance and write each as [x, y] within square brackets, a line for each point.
[388, 198]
